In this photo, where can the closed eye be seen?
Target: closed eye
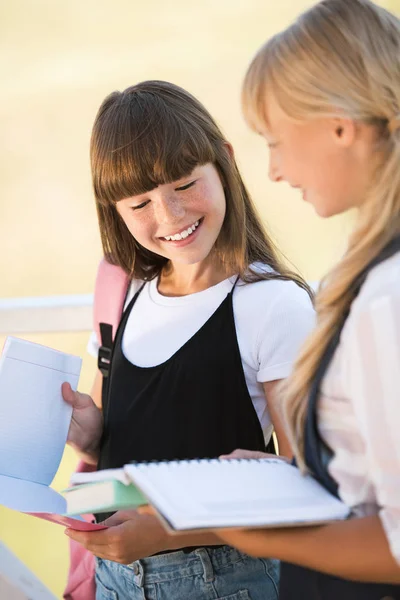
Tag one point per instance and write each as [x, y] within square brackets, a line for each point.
[142, 205]
[185, 187]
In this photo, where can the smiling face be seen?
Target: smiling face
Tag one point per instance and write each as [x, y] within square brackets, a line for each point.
[327, 158]
[181, 220]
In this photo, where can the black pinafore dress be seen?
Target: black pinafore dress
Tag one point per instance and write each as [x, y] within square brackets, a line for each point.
[194, 405]
[298, 583]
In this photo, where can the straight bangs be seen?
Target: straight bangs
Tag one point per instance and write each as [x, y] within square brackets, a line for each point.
[141, 141]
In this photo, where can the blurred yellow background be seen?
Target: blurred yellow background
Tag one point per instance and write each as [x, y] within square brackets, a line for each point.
[58, 61]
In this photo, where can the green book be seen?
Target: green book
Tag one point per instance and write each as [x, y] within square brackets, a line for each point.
[102, 496]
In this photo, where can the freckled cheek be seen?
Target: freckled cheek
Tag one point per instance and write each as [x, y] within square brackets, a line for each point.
[208, 200]
[143, 230]
[198, 201]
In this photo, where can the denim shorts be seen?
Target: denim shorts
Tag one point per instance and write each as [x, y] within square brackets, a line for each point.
[221, 573]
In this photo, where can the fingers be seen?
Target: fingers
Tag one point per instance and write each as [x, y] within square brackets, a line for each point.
[98, 543]
[239, 453]
[118, 518]
[146, 510]
[111, 521]
[122, 516]
[94, 539]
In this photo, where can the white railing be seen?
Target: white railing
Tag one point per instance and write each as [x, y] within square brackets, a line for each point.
[50, 313]
[45, 314]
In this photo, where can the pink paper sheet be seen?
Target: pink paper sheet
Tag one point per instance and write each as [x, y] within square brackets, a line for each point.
[69, 522]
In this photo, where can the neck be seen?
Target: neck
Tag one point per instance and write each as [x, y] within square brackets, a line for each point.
[182, 280]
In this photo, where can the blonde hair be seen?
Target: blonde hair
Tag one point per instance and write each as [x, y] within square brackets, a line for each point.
[339, 57]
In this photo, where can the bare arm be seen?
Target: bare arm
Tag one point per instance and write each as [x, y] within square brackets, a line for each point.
[96, 389]
[274, 402]
[355, 549]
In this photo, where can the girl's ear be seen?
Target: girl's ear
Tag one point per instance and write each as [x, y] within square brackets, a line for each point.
[344, 131]
[230, 149]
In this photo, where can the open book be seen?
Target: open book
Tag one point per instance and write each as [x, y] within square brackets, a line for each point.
[34, 424]
[202, 494]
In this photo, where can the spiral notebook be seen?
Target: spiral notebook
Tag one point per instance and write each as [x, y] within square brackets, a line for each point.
[203, 494]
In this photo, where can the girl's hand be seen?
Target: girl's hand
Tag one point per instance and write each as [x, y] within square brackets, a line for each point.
[239, 453]
[129, 537]
[86, 424]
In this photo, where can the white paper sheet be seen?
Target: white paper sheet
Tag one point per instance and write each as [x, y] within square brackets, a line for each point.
[34, 423]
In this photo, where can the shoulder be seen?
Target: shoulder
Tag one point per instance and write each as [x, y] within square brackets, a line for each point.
[273, 296]
[272, 317]
[273, 312]
[134, 287]
[383, 279]
[374, 318]
[382, 287]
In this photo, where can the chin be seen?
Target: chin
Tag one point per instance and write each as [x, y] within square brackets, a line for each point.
[324, 209]
[323, 212]
[188, 260]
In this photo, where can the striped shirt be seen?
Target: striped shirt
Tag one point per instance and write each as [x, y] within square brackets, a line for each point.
[359, 407]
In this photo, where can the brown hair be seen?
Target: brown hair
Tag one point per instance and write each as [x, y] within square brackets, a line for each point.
[340, 57]
[155, 133]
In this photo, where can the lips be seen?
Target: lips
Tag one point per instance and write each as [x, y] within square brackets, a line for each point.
[183, 233]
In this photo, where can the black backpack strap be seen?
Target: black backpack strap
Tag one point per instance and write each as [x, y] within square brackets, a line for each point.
[317, 453]
[104, 355]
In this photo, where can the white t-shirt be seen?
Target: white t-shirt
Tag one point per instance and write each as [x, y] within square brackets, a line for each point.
[272, 319]
[359, 408]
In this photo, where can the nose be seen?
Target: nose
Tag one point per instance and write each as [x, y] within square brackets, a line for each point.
[169, 208]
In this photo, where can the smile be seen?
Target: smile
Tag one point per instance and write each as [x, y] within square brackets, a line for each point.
[182, 234]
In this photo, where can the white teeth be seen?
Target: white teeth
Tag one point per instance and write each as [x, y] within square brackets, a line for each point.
[183, 234]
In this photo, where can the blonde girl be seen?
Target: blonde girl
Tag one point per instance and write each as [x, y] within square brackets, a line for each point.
[325, 94]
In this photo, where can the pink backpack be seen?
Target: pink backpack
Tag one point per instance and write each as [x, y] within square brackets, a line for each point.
[109, 296]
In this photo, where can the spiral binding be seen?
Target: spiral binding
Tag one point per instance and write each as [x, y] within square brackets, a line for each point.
[215, 461]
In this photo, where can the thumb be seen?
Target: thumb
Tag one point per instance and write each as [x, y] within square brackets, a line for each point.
[119, 517]
[146, 509]
[67, 393]
[75, 399]
[111, 521]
